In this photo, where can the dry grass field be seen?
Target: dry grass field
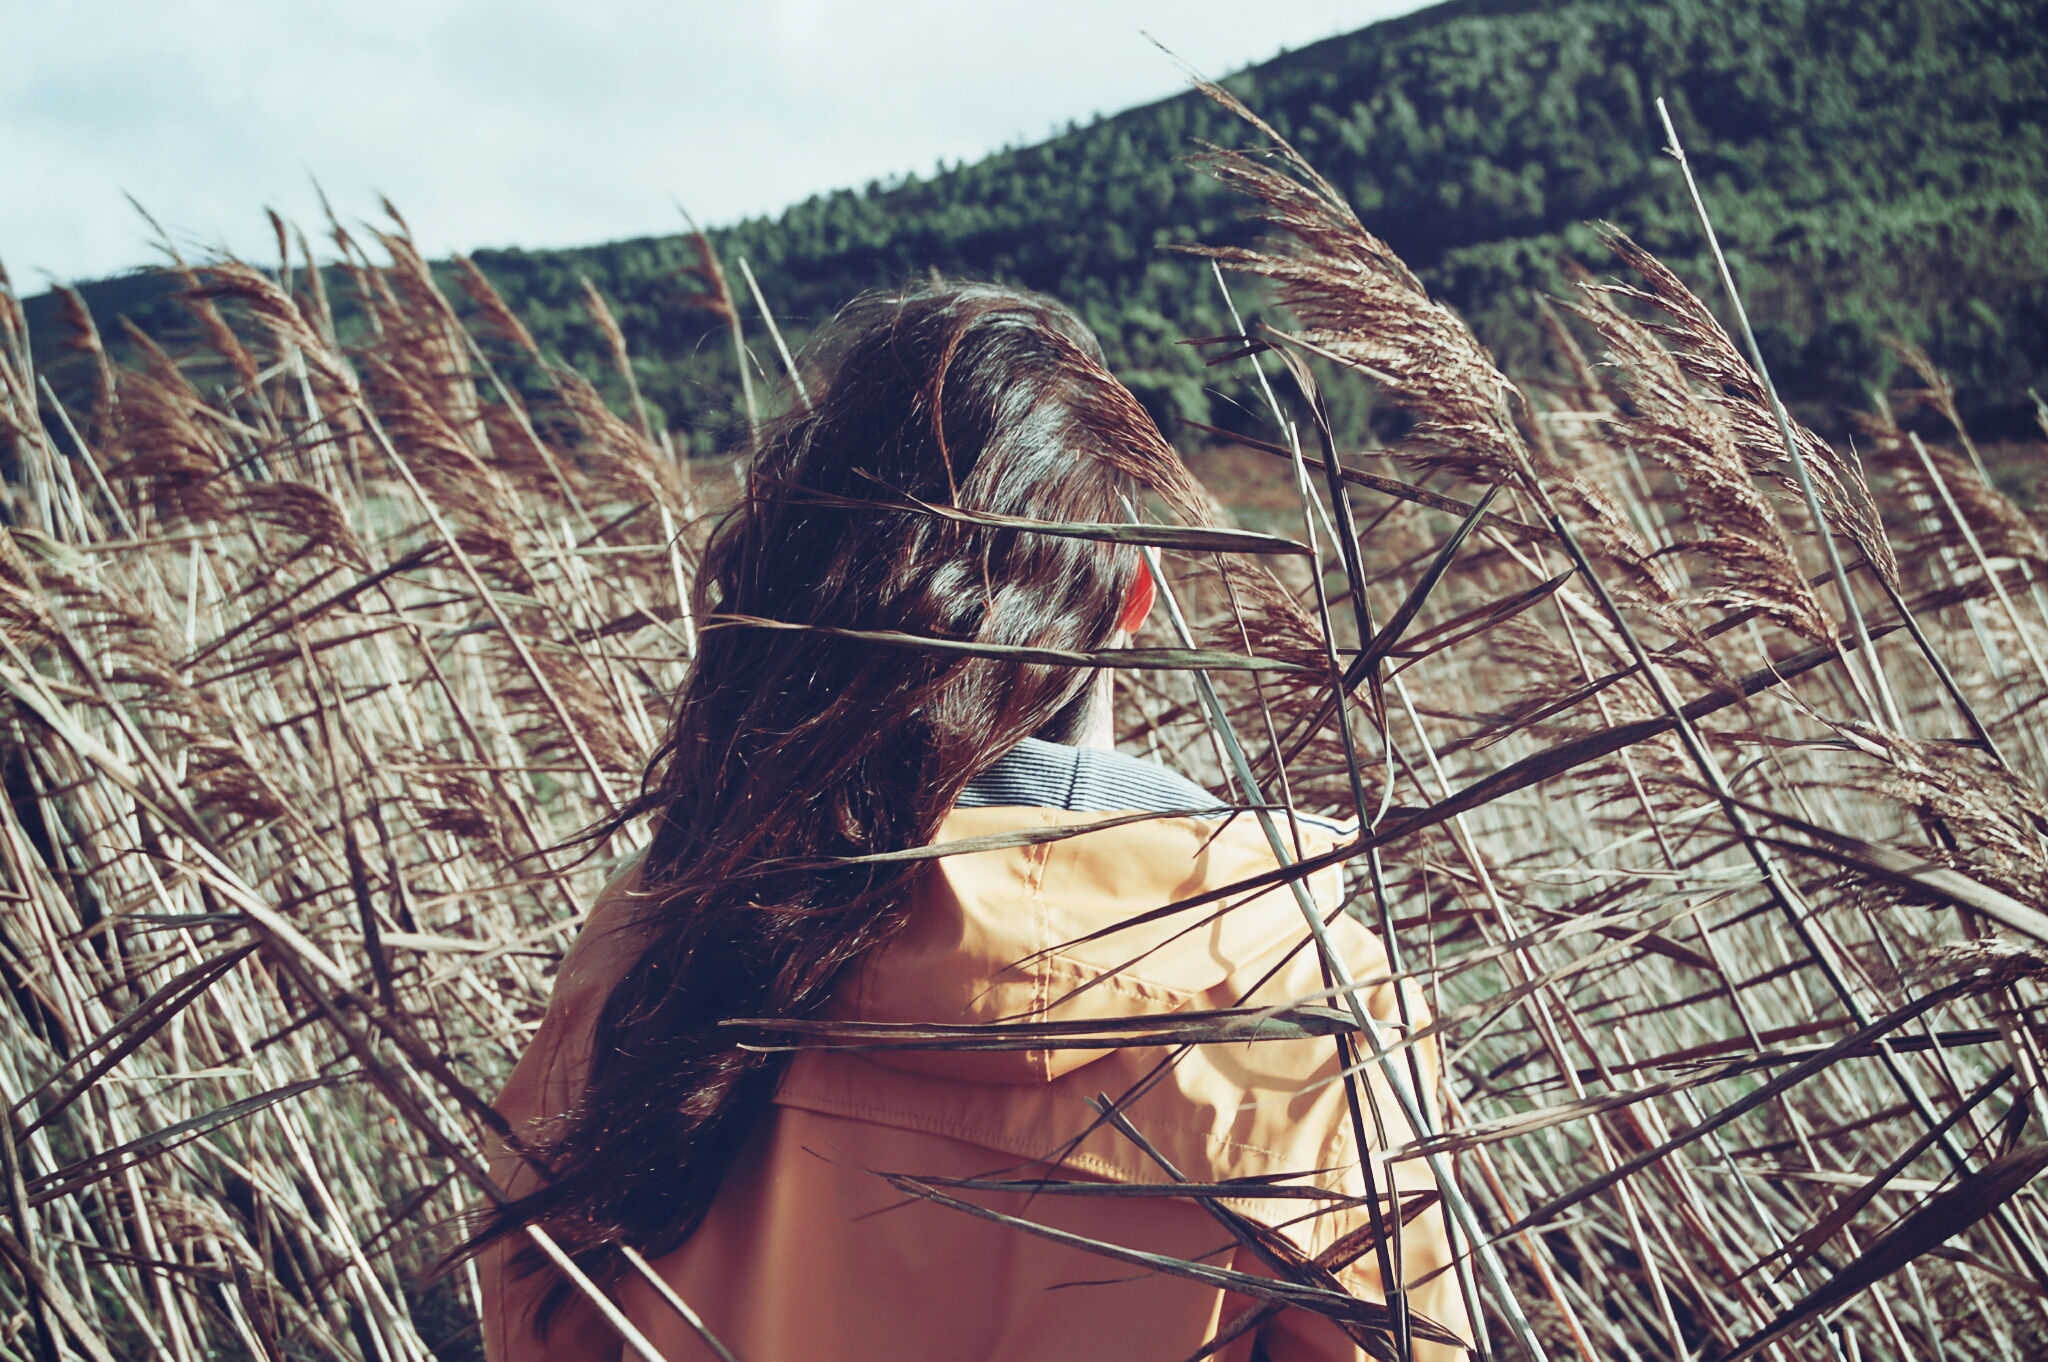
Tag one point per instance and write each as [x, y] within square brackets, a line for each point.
[1700, 764]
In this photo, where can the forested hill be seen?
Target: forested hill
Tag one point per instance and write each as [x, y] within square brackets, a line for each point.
[1873, 165]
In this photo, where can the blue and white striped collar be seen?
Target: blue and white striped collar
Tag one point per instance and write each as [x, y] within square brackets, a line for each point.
[1050, 775]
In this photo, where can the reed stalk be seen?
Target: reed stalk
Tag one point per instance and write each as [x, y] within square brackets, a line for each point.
[319, 638]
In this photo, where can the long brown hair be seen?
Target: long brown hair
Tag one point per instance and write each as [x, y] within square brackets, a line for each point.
[791, 748]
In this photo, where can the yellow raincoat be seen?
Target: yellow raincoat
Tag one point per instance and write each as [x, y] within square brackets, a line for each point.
[810, 1255]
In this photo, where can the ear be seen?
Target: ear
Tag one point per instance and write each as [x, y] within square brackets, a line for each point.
[1138, 604]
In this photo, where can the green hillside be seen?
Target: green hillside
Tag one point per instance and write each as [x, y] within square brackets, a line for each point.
[1874, 165]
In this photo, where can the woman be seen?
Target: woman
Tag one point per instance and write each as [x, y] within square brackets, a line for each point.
[753, 1181]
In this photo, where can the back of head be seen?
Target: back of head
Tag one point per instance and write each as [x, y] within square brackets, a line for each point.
[794, 749]
[975, 397]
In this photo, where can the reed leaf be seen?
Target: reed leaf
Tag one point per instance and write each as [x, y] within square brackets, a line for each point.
[1942, 1217]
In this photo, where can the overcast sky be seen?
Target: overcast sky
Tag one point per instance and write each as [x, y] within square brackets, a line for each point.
[549, 122]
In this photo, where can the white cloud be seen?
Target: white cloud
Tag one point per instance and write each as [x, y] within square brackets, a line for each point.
[544, 123]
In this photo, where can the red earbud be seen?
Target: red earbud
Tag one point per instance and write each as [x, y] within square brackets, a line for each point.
[1138, 604]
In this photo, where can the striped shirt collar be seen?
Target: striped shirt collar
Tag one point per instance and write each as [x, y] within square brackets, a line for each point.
[1050, 775]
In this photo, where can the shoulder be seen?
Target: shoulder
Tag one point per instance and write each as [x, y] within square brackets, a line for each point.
[610, 941]
[550, 1071]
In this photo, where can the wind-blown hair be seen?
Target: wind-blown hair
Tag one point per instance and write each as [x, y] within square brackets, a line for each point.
[793, 747]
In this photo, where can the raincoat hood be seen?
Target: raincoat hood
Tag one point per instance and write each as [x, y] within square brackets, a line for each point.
[1035, 934]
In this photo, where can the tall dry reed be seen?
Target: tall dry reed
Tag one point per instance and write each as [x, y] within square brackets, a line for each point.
[314, 653]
